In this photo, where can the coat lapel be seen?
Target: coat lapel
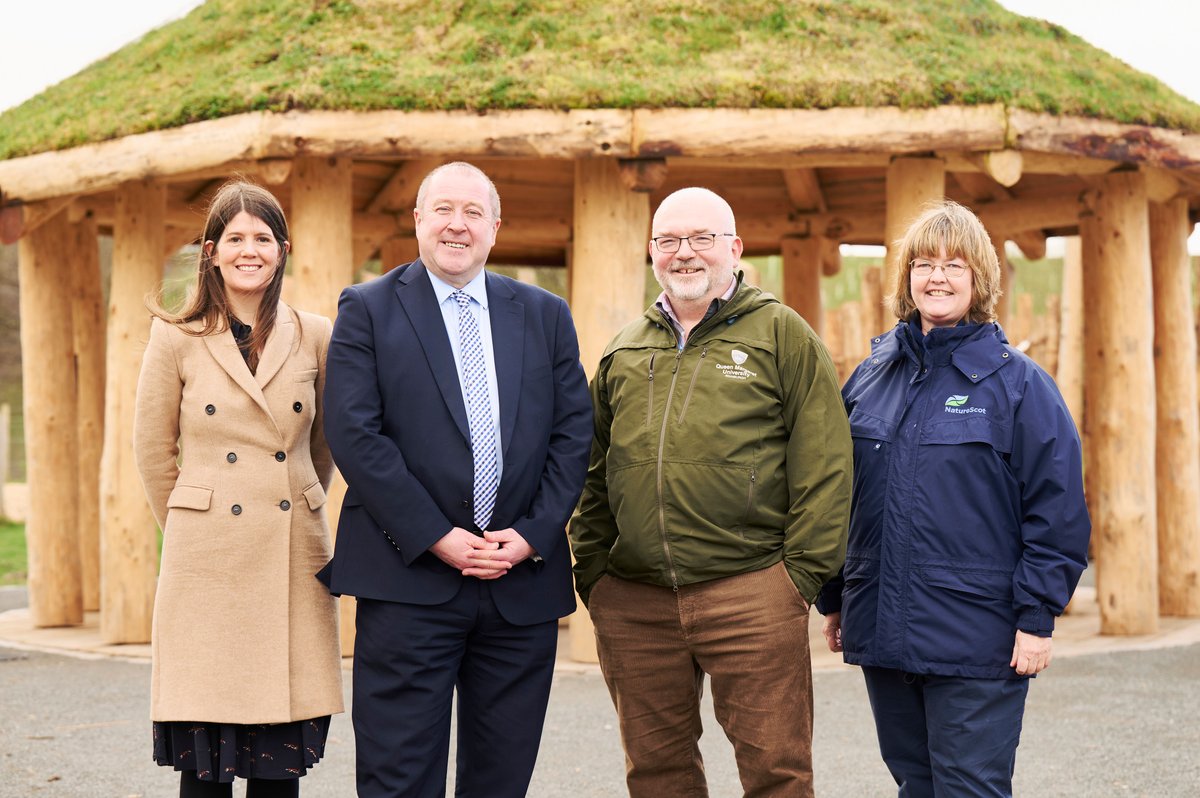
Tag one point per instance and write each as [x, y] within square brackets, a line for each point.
[420, 304]
[279, 344]
[225, 351]
[508, 349]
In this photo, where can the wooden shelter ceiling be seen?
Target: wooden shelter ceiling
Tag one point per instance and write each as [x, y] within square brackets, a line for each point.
[845, 203]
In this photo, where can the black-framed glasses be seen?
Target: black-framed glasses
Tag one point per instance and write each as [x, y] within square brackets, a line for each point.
[700, 242]
[924, 268]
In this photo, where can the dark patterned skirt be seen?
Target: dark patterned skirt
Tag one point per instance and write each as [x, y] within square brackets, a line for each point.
[220, 751]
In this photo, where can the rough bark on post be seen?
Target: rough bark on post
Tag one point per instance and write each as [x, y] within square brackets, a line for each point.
[322, 261]
[128, 543]
[912, 183]
[802, 277]
[1121, 406]
[608, 268]
[1178, 439]
[88, 326]
[47, 350]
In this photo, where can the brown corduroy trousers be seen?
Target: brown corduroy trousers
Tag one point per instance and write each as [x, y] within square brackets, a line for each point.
[749, 633]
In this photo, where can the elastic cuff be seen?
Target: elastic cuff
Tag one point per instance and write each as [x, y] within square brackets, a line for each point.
[1036, 621]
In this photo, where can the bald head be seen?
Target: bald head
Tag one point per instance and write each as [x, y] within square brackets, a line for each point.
[694, 203]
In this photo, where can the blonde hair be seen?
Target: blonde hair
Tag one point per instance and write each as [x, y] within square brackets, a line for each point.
[948, 225]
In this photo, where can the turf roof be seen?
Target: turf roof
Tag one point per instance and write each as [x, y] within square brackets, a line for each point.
[232, 56]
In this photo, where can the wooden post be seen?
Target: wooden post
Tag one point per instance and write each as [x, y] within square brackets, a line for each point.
[1178, 440]
[395, 251]
[321, 223]
[128, 544]
[1004, 304]
[1121, 405]
[51, 456]
[88, 325]
[322, 261]
[912, 183]
[1069, 375]
[1050, 335]
[5, 420]
[607, 288]
[875, 319]
[802, 277]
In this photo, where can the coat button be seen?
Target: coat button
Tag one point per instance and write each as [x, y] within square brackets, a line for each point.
[280, 456]
[210, 409]
[297, 407]
[236, 509]
[231, 457]
[285, 505]
[466, 504]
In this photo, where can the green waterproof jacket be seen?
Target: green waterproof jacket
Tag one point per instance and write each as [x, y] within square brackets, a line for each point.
[720, 458]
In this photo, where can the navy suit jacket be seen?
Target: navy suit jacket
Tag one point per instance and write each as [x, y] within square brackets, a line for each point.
[397, 426]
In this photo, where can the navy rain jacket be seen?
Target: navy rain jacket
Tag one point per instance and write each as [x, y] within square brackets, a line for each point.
[967, 520]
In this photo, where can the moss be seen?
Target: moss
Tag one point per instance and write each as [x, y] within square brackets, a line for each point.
[233, 56]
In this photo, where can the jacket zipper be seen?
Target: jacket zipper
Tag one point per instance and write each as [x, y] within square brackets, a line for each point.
[650, 391]
[749, 502]
[662, 439]
[687, 399]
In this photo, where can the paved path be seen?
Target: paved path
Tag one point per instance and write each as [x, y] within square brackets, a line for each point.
[1101, 722]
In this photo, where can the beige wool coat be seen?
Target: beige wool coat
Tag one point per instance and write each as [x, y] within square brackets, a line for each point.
[243, 632]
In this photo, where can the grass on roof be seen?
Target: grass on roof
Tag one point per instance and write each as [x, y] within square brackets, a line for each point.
[233, 56]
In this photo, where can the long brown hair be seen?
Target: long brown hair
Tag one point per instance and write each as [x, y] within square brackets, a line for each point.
[207, 301]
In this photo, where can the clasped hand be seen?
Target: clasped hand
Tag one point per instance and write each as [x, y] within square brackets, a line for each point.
[487, 557]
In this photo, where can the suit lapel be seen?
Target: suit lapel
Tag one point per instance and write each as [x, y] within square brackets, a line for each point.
[420, 304]
[508, 350]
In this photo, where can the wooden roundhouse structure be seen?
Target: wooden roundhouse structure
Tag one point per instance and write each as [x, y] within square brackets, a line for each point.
[823, 124]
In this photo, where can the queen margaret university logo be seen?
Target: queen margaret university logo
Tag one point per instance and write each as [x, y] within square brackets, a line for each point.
[738, 370]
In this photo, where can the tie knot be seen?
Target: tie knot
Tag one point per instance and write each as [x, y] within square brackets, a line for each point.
[462, 298]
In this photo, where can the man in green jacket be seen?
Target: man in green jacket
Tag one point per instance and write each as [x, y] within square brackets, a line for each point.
[715, 507]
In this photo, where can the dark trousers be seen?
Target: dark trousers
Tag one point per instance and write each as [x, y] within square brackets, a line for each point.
[945, 735]
[408, 661]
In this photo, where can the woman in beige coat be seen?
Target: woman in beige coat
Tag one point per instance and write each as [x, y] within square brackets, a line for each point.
[247, 667]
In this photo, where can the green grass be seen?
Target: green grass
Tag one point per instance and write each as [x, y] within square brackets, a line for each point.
[13, 562]
[233, 56]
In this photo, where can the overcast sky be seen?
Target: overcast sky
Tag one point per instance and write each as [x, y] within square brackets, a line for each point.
[45, 41]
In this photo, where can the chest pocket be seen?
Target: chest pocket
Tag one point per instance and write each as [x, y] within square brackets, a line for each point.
[970, 429]
[865, 425]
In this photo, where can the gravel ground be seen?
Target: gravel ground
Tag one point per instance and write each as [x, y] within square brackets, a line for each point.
[1120, 724]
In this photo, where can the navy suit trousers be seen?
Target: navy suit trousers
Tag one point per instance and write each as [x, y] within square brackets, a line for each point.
[409, 661]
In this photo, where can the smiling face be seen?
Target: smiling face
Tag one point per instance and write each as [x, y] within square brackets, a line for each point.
[456, 228]
[941, 300]
[688, 276]
[247, 255]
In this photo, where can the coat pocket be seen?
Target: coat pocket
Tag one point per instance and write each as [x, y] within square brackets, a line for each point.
[304, 375]
[314, 494]
[961, 615]
[190, 497]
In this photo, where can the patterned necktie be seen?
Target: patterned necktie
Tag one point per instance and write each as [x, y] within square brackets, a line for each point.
[479, 410]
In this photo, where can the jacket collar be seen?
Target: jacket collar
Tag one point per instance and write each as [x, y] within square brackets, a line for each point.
[976, 350]
[224, 349]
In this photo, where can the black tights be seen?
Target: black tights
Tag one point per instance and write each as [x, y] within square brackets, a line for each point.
[192, 787]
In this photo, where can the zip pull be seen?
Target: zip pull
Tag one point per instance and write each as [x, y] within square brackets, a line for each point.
[650, 376]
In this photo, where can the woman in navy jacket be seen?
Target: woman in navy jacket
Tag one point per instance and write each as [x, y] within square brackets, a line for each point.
[968, 529]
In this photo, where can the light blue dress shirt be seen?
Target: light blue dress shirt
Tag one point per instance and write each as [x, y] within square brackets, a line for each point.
[477, 290]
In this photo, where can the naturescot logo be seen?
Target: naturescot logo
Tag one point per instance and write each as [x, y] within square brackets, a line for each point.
[955, 402]
[738, 370]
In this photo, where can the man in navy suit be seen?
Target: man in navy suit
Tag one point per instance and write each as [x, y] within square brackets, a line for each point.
[458, 412]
